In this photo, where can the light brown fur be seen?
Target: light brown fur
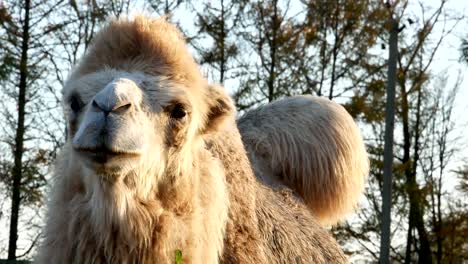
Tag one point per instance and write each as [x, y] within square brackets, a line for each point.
[312, 145]
[193, 188]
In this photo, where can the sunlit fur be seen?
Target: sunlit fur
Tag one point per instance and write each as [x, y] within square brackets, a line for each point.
[192, 187]
[312, 145]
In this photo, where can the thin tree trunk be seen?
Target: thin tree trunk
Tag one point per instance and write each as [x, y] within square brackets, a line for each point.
[442, 141]
[272, 77]
[223, 40]
[19, 139]
[409, 239]
[332, 81]
[410, 182]
[439, 221]
[415, 217]
[334, 54]
[323, 50]
[424, 252]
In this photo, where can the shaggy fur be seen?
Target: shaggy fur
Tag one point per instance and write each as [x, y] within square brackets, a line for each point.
[178, 178]
[312, 145]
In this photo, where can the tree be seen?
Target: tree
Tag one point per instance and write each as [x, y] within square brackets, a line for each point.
[444, 209]
[165, 7]
[219, 23]
[415, 109]
[20, 33]
[339, 35]
[272, 45]
[414, 63]
[39, 39]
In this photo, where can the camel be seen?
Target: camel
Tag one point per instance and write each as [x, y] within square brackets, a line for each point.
[156, 164]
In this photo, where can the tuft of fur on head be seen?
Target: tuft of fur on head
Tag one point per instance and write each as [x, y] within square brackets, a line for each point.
[149, 45]
[312, 145]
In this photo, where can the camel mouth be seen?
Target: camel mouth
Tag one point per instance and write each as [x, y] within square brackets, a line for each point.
[103, 155]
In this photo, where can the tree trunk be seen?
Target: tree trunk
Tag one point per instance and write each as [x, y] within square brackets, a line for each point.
[416, 216]
[336, 46]
[222, 66]
[272, 75]
[19, 139]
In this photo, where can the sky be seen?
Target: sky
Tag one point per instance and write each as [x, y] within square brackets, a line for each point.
[448, 59]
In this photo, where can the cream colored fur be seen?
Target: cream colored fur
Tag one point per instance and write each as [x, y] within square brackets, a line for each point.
[175, 182]
[312, 145]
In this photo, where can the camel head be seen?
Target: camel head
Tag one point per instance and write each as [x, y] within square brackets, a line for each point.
[138, 105]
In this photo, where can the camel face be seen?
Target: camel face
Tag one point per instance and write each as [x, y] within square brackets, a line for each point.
[120, 121]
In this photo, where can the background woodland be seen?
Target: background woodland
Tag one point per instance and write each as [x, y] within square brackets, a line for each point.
[262, 51]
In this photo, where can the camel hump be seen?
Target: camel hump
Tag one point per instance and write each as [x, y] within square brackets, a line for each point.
[311, 145]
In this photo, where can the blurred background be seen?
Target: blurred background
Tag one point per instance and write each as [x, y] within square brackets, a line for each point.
[262, 51]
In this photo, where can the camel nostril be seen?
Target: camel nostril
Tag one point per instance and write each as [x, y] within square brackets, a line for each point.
[109, 107]
[122, 107]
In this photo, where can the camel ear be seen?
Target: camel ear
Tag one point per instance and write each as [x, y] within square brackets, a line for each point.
[221, 109]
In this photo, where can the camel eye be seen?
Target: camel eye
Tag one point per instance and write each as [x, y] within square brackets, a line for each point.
[178, 111]
[75, 103]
